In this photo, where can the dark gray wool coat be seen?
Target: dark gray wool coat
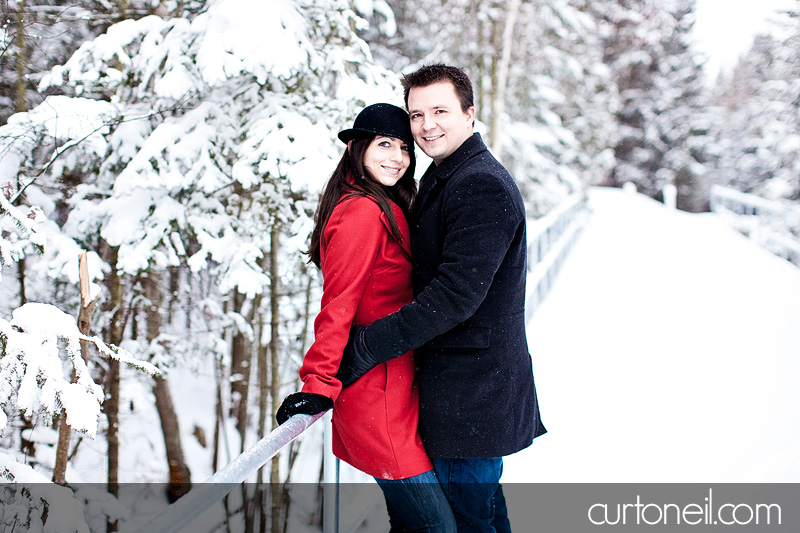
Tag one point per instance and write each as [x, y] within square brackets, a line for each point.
[467, 321]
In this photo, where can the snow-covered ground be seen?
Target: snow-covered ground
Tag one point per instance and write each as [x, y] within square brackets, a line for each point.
[667, 351]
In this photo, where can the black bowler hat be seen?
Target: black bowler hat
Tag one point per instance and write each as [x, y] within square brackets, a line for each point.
[380, 119]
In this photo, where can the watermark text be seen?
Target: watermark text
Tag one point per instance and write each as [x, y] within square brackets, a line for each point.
[708, 513]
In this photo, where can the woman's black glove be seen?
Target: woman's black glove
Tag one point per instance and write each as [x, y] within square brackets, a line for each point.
[306, 403]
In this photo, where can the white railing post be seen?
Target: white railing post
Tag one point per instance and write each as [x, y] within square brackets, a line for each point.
[330, 480]
[670, 194]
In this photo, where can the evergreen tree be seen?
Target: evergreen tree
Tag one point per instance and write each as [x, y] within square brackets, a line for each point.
[36, 35]
[191, 153]
[759, 125]
[663, 120]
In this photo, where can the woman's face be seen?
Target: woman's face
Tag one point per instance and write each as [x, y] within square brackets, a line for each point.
[387, 159]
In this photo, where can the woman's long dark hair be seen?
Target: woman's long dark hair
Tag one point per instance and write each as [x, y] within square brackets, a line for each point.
[351, 178]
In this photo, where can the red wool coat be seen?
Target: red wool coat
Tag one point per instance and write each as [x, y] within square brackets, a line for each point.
[366, 275]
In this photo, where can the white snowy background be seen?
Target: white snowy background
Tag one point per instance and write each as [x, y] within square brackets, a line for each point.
[724, 29]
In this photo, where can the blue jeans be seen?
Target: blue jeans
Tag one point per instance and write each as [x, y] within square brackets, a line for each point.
[472, 486]
[417, 504]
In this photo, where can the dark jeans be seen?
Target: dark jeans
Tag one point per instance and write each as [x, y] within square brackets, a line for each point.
[417, 504]
[472, 486]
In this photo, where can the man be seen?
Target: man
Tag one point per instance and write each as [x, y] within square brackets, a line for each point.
[467, 322]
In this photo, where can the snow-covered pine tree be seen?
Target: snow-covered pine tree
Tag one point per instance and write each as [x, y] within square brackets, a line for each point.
[558, 132]
[662, 120]
[36, 35]
[187, 141]
[758, 148]
[683, 114]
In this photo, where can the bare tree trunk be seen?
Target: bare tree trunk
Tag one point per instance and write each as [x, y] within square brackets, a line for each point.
[179, 477]
[241, 359]
[219, 428]
[21, 267]
[113, 334]
[220, 435]
[494, 46]
[274, 351]
[174, 293]
[480, 61]
[20, 103]
[263, 405]
[500, 76]
[306, 311]
[85, 327]
[240, 372]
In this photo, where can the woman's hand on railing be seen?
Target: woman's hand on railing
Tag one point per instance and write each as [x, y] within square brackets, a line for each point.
[306, 403]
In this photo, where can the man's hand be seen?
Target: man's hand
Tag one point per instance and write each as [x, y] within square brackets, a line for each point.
[306, 403]
[357, 360]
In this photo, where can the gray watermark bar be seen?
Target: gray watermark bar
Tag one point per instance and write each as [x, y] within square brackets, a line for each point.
[536, 508]
[657, 508]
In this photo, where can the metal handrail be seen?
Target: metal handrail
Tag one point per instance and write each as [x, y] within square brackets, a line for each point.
[222, 482]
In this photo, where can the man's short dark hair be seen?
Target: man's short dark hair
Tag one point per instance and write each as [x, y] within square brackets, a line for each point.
[438, 72]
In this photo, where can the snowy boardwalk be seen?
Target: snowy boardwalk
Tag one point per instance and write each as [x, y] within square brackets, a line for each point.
[667, 351]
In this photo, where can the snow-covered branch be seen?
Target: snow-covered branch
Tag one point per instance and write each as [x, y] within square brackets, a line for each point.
[32, 373]
[22, 231]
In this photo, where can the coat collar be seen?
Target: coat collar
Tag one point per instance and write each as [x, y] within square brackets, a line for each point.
[439, 174]
[471, 147]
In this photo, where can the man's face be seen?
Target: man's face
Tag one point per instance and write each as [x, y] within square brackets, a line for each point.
[438, 124]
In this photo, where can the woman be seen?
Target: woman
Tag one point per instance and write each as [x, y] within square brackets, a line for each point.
[361, 243]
